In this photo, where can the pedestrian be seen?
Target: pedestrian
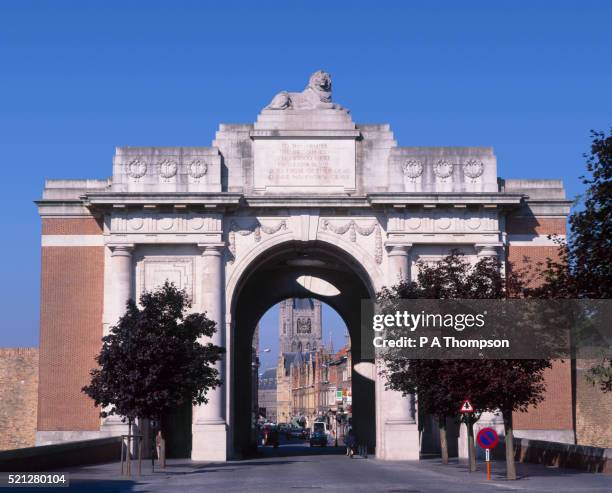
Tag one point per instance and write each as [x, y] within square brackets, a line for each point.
[363, 450]
[350, 441]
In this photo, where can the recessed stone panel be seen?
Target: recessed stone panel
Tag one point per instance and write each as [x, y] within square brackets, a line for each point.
[307, 165]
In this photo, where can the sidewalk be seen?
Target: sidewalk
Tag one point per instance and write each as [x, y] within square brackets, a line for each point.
[329, 473]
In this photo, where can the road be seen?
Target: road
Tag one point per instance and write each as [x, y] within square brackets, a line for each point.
[298, 468]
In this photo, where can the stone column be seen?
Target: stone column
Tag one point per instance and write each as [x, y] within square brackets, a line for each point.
[209, 426]
[121, 268]
[401, 436]
[121, 275]
[494, 250]
[399, 262]
[487, 249]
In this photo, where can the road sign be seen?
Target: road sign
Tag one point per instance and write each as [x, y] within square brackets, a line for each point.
[487, 438]
[466, 407]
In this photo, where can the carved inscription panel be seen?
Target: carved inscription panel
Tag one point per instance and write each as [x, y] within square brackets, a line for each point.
[154, 271]
[285, 165]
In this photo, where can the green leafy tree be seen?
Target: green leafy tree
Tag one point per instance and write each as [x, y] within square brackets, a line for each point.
[491, 385]
[583, 268]
[153, 360]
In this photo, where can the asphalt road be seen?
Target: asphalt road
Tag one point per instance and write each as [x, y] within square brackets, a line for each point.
[296, 467]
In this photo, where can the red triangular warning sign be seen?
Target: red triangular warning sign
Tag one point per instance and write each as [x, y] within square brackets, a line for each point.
[466, 407]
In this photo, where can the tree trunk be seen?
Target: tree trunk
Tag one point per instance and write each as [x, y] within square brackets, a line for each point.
[471, 446]
[443, 439]
[129, 448]
[510, 465]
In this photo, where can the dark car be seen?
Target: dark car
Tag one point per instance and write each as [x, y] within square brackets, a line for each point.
[318, 438]
[296, 432]
[269, 436]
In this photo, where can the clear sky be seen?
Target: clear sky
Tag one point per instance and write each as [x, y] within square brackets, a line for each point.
[79, 78]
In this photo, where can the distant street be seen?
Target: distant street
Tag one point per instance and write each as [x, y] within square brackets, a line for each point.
[297, 467]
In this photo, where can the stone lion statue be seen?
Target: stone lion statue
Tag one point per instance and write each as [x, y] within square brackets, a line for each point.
[317, 95]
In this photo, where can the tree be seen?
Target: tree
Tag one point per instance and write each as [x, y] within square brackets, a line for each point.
[590, 248]
[152, 360]
[492, 385]
[438, 393]
[583, 268]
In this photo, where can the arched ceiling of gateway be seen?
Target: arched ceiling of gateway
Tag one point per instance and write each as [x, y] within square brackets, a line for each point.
[298, 270]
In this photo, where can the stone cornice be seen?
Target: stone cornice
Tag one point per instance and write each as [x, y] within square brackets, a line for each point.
[305, 134]
[213, 199]
[449, 198]
[97, 201]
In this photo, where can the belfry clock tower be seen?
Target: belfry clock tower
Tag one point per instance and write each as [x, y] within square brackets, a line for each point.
[300, 325]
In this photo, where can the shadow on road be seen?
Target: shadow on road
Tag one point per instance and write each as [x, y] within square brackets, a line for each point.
[297, 449]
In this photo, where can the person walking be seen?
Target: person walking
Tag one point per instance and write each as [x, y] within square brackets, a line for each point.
[350, 441]
[363, 450]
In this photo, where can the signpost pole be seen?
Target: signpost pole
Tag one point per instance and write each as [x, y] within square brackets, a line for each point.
[488, 438]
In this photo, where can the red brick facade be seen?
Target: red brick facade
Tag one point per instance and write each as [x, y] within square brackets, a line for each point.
[72, 294]
[555, 412]
[535, 225]
[72, 226]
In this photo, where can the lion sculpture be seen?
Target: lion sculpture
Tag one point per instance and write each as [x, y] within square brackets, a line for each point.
[317, 95]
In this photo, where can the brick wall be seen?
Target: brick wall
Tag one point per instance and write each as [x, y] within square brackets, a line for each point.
[72, 226]
[72, 293]
[18, 396]
[535, 225]
[593, 410]
[555, 412]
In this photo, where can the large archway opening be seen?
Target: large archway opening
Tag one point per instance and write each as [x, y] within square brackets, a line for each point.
[302, 395]
[299, 270]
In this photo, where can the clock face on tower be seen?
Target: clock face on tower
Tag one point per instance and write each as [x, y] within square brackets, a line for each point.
[299, 325]
[304, 325]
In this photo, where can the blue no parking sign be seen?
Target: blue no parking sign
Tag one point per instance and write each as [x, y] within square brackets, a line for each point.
[487, 438]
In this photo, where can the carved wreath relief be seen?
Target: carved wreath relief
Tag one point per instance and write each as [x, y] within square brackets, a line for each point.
[197, 169]
[473, 169]
[443, 169]
[412, 169]
[136, 168]
[167, 169]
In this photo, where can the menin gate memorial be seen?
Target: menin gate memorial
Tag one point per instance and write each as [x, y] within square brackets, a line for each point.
[303, 203]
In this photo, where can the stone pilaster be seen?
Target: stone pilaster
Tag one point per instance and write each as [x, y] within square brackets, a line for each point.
[121, 278]
[487, 249]
[121, 268]
[209, 425]
[401, 436]
[399, 262]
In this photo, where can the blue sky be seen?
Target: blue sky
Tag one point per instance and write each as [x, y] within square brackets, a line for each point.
[79, 78]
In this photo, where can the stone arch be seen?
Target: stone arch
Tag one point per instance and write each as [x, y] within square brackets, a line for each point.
[364, 261]
[272, 277]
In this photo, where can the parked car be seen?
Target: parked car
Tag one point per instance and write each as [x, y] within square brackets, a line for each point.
[297, 432]
[318, 438]
[319, 426]
[269, 435]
